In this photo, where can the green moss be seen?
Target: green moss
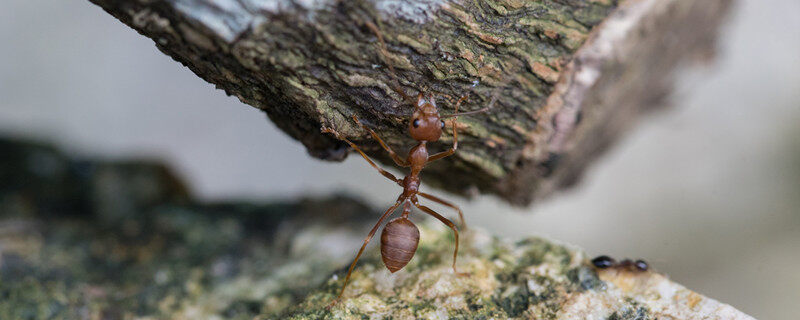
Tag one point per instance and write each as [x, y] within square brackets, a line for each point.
[631, 311]
[155, 256]
[515, 302]
[585, 278]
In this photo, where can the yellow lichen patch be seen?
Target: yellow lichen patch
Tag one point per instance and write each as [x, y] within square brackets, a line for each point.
[438, 74]
[513, 4]
[552, 34]
[488, 71]
[497, 7]
[470, 69]
[573, 36]
[494, 141]
[367, 303]
[342, 51]
[492, 168]
[526, 81]
[693, 299]
[627, 281]
[588, 305]
[472, 26]
[358, 80]
[467, 54]
[461, 125]
[544, 72]
[420, 47]
[519, 129]
[343, 124]
[289, 59]
[558, 63]
[488, 37]
[497, 139]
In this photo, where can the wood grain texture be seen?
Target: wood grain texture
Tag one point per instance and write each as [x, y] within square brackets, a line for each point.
[571, 75]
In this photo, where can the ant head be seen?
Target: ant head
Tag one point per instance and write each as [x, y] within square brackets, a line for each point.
[425, 124]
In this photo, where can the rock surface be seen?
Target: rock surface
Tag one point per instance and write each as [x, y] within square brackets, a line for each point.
[122, 240]
[116, 240]
[531, 279]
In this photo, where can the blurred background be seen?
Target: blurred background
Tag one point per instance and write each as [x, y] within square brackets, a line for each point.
[707, 191]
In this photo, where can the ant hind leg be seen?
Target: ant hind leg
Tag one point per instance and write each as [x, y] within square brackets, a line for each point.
[360, 251]
[447, 204]
[455, 232]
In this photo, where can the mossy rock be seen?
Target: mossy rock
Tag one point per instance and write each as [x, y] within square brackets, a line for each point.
[86, 239]
[530, 279]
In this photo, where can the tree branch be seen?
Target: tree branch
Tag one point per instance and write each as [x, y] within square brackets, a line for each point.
[572, 74]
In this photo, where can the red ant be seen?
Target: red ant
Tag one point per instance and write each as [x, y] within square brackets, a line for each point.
[400, 236]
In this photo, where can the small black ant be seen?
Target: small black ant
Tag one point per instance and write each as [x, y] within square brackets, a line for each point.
[606, 262]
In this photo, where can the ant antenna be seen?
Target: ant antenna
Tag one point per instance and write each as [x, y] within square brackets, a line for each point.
[384, 56]
[491, 105]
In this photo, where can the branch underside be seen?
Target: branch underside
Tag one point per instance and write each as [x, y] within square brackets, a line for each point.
[571, 74]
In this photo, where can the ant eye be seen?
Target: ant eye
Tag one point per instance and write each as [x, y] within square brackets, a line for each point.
[442, 123]
[416, 123]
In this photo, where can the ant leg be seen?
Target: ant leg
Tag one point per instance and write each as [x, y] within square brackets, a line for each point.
[449, 224]
[397, 159]
[360, 251]
[455, 115]
[385, 55]
[452, 149]
[355, 147]
[448, 204]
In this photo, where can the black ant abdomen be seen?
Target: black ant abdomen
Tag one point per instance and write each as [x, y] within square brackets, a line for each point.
[603, 262]
[606, 262]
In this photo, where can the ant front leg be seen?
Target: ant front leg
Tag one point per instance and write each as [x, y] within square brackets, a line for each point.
[449, 224]
[360, 251]
[385, 173]
[447, 204]
[452, 149]
[397, 159]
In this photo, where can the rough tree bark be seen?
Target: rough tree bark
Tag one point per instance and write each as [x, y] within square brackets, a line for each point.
[571, 74]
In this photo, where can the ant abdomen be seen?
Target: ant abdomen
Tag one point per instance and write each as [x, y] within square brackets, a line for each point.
[399, 241]
[606, 262]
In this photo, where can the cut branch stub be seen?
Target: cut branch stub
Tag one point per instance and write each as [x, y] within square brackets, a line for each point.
[572, 74]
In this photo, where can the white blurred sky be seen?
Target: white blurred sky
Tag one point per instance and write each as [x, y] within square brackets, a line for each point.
[708, 191]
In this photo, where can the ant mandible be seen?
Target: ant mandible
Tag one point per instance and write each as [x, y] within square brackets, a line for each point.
[400, 236]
